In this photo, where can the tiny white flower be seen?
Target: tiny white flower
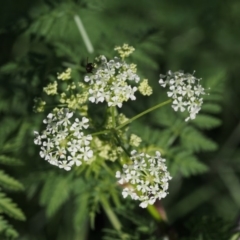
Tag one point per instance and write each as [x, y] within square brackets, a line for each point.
[87, 153]
[53, 160]
[115, 102]
[74, 146]
[125, 192]
[61, 152]
[93, 95]
[174, 91]
[38, 138]
[50, 119]
[85, 140]
[60, 134]
[144, 204]
[65, 165]
[178, 104]
[64, 117]
[79, 125]
[161, 194]
[44, 153]
[143, 186]
[187, 90]
[74, 160]
[199, 90]
[48, 144]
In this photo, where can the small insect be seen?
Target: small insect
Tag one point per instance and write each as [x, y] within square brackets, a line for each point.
[89, 67]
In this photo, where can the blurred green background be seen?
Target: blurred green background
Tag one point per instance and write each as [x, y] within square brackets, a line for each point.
[40, 38]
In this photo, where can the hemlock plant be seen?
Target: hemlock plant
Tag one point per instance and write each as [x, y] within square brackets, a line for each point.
[72, 138]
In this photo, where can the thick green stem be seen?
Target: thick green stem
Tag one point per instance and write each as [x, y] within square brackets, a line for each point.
[111, 215]
[143, 113]
[155, 214]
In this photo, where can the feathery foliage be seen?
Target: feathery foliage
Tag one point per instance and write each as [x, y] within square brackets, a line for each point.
[40, 39]
[208, 228]
[7, 183]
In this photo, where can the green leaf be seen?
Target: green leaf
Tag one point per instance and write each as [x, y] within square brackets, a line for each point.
[211, 108]
[214, 96]
[10, 208]
[6, 230]
[9, 183]
[55, 193]
[187, 164]
[206, 122]
[9, 161]
[195, 141]
[19, 139]
[209, 228]
[8, 68]
[81, 212]
[164, 117]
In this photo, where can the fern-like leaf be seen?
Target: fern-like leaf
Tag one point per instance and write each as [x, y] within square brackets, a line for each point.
[10, 208]
[208, 228]
[195, 141]
[6, 230]
[9, 183]
[206, 122]
[81, 213]
[9, 161]
[55, 193]
[211, 108]
[187, 164]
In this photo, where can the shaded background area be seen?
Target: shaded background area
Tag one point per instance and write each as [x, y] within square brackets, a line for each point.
[40, 38]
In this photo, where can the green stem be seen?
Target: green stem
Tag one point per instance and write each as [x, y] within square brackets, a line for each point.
[111, 215]
[120, 144]
[113, 116]
[55, 105]
[101, 132]
[83, 33]
[116, 199]
[108, 169]
[155, 214]
[143, 113]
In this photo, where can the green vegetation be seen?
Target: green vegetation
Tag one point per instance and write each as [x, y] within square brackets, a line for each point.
[39, 39]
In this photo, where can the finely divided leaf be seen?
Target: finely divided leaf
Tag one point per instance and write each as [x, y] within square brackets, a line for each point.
[10, 208]
[194, 140]
[10, 183]
[206, 122]
[187, 165]
[55, 193]
[10, 161]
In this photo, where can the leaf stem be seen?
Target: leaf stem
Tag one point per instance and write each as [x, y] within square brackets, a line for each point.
[83, 33]
[143, 113]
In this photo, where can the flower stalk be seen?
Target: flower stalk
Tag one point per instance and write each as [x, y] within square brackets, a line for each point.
[143, 113]
[111, 215]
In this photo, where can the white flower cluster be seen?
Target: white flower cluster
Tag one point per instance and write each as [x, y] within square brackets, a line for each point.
[109, 82]
[146, 179]
[186, 91]
[62, 143]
